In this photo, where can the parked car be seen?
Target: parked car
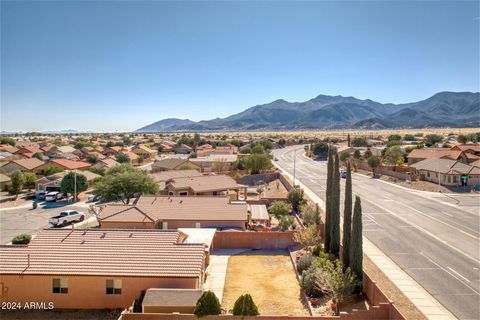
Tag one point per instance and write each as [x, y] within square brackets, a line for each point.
[276, 159]
[54, 196]
[343, 174]
[40, 195]
[93, 198]
[66, 217]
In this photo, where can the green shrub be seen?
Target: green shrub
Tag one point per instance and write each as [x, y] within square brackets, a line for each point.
[279, 209]
[244, 306]
[305, 262]
[207, 304]
[22, 239]
[308, 283]
[286, 222]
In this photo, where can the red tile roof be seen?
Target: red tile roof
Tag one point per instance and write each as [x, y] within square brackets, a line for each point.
[70, 164]
[435, 153]
[153, 253]
[151, 208]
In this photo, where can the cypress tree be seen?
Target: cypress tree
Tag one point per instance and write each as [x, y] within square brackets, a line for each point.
[356, 245]
[335, 209]
[347, 218]
[328, 200]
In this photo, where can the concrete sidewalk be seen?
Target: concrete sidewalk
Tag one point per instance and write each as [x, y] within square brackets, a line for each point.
[217, 270]
[427, 304]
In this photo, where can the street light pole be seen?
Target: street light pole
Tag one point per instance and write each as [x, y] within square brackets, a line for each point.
[75, 185]
[294, 165]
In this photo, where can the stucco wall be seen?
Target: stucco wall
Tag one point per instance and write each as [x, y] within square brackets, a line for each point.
[253, 240]
[175, 224]
[156, 309]
[84, 292]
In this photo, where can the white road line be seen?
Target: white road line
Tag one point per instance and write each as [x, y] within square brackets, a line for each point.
[458, 274]
[445, 213]
[425, 231]
[440, 221]
[450, 273]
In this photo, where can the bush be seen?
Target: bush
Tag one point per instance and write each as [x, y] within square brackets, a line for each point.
[22, 239]
[207, 304]
[286, 222]
[279, 209]
[295, 197]
[309, 278]
[305, 262]
[317, 250]
[244, 306]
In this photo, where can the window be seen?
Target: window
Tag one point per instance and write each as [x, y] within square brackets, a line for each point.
[454, 179]
[197, 225]
[114, 286]
[164, 225]
[60, 285]
[449, 179]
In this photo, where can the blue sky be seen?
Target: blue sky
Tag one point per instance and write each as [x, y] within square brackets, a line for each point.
[119, 65]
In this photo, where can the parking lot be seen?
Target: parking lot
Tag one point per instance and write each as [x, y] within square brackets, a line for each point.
[15, 221]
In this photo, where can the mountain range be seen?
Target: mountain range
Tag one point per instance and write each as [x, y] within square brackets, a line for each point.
[444, 109]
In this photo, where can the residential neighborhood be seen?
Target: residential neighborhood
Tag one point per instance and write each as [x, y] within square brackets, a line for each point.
[183, 204]
[239, 160]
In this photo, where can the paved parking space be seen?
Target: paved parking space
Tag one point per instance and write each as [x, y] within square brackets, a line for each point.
[15, 221]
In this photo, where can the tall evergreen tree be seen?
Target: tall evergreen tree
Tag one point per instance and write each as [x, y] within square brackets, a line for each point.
[328, 200]
[335, 208]
[347, 218]
[356, 244]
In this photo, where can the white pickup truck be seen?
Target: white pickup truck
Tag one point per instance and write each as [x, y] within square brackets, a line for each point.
[65, 217]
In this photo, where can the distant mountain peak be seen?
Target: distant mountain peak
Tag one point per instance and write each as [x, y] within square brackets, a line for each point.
[455, 109]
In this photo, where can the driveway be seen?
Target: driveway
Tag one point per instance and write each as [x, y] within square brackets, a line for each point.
[15, 221]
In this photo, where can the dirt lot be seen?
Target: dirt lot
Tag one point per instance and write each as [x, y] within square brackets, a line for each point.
[269, 277]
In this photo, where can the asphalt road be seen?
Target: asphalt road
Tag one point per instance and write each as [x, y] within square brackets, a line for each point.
[432, 237]
[15, 221]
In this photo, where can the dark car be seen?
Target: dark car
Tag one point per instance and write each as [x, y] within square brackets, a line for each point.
[343, 174]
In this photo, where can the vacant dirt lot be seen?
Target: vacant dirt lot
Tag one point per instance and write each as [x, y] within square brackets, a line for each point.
[268, 276]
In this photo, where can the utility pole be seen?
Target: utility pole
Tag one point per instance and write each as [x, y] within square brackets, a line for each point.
[75, 185]
[294, 165]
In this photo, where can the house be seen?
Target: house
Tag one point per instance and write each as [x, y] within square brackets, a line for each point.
[161, 177]
[173, 212]
[216, 162]
[28, 151]
[5, 181]
[206, 186]
[8, 148]
[417, 155]
[99, 268]
[52, 182]
[182, 149]
[144, 151]
[106, 163]
[472, 151]
[24, 165]
[65, 164]
[60, 149]
[447, 172]
[174, 164]
[206, 150]
[134, 159]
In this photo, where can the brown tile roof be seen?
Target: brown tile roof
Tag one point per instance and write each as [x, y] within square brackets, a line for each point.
[169, 163]
[172, 174]
[148, 208]
[29, 164]
[205, 183]
[152, 253]
[446, 166]
[70, 164]
[8, 148]
[467, 147]
[435, 153]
